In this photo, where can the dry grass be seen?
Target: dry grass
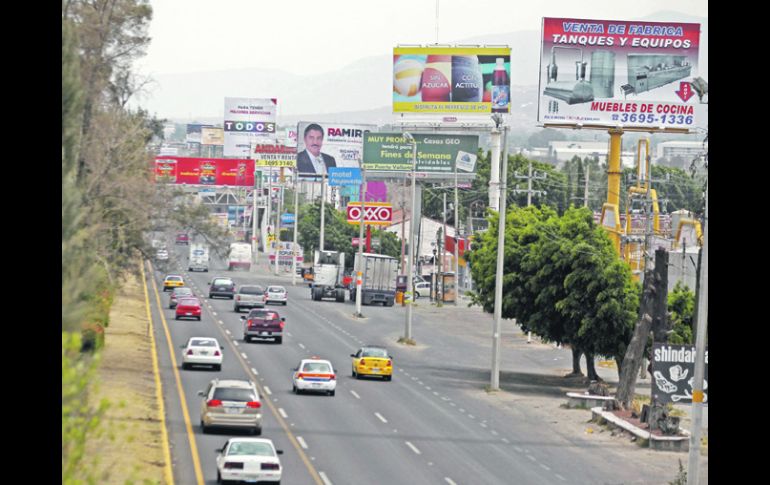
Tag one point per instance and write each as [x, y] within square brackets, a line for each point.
[131, 451]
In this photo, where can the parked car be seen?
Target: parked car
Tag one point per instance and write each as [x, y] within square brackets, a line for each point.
[421, 289]
[188, 307]
[263, 324]
[222, 286]
[231, 403]
[176, 293]
[202, 351]
[316, 375]
[249, 296]
[372, 360]
[277, 294]
[249, 460]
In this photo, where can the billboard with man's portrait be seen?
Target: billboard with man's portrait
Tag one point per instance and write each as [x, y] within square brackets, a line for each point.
[321, 146]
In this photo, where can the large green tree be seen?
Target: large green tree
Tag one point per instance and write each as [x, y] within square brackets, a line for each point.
[562, 281]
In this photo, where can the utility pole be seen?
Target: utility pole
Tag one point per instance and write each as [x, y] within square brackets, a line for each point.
[278, 229]
[494, 176]
[296, 223]
[323, 210]
[412, 225]
[457, 241]
[585, 191]
[495, 374]
[530, 177]
[359, 273]
[440, 279]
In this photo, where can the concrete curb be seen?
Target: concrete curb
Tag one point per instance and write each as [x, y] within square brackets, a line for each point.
[658, 443]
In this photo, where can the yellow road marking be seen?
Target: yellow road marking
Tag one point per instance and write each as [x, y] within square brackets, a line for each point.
[185, 412]
[158, 387]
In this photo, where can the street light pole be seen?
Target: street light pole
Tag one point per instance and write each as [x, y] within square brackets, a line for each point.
[296, 223]
[495, 378]
[359, 272]
[410, 247]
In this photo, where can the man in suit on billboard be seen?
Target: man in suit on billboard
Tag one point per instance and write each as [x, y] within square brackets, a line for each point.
[311, 160]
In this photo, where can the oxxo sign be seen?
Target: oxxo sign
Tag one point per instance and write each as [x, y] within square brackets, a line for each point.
[375, 213]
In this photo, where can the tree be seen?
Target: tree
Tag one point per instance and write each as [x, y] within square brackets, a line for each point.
[681, 305]
[562, 280]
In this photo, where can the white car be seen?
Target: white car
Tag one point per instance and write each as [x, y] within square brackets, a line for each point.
[161, 255]
[250, 460]
[316, 375]
[422, 289]
[202, 351]
[277, 294]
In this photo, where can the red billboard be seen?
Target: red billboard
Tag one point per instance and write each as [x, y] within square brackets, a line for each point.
[204, 171]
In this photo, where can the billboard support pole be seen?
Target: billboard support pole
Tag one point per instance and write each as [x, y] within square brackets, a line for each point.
[296, 223]
[457, 240]
[362, 196]
[278, 228]
[323, 210]
[613, 180]
[495, 377]
[410, 247]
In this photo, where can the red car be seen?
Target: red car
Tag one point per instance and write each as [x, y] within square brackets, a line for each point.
[182, 238]
[188, 308]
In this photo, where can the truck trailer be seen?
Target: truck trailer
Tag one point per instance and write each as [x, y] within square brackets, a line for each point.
[378, 278]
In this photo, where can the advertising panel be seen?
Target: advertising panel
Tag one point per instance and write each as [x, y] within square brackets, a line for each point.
[339, 176]
[275, 156]
[469, 80]
[212, 136]
[619, 73]
[248, 121]
[321, 146]
[204, 171]
[193, 133]
[375, 213]
[435, 153]
[673, 373]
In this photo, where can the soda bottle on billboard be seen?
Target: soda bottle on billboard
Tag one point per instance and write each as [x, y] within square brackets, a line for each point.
[467, 81]
[500, 88]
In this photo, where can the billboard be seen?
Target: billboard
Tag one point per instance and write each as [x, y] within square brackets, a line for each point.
[391, 152]
[673, 372]
[275, 156]
[620, 73]
[375, 213]
[204, 171]
[212, 136]
[469, 80]
[248, 121]
[321, 146]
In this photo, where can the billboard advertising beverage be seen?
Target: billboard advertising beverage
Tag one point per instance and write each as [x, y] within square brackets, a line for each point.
[451, 80]
[248, 121]
[204, 171]
[321, 146]
[621, 73]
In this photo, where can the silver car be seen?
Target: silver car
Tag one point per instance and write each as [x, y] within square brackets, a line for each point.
[231, 404]
[249, 296]
[277, 294]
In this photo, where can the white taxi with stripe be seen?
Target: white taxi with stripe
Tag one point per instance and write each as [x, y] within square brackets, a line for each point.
[314, 374]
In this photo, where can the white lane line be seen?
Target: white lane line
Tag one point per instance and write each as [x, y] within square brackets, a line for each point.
[414, 448]
[435, 393]
[214, 313]
[302, 442]
[532, 458]
[227, 332]
[494, 433]
[288, 334]
[221, 322]
[301, 346]
[427, 388]
[483, 425]
[505, 440]
[282, 413]
[254, 371]
[268, 391]
[324, 478]
[452, 404]
[244, 355]
[544, 467]
[355, 394]
[235, 342]
[449, 481]
[560, 477]
[462, 410]
[380, 417]
[471, 416]
[519, 450]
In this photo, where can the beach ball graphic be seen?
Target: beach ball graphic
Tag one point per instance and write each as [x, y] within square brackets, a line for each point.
[407, 74]
[435, 78]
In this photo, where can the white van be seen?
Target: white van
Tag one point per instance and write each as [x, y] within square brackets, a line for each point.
[199, 257]
[240, 256]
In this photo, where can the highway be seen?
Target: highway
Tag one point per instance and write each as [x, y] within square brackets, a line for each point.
[431, 424]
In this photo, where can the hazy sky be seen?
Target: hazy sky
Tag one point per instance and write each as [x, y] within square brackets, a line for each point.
[305, 36]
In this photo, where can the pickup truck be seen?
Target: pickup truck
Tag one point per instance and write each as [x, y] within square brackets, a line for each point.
[263, 324]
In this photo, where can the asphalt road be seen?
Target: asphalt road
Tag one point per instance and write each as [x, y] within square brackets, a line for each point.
[429, 425]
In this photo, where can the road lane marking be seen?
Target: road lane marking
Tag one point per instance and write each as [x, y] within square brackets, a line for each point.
[254, 371]
[325, 478]
[301, 346]
[244, 355]
[183, 402]
[560, 477]
[168, 474]
[449, 481]
[544, 467]
[282, 413]
[506, 441]
[381, 418]
[471, 416]
[355, 394]
[227, 332]
[268, 391]
[302, 442]
[532, 458]
[414, 448]
[235, 342]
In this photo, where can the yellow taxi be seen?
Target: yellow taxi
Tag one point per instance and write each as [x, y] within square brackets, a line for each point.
[372, 361]
[172, 281]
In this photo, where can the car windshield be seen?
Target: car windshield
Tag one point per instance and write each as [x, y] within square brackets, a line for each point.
[222, 281]
[375, 353]
[234, 394]
[251, 290]
[259, 449]
[316, 367]
[203, 343]
[264, 314]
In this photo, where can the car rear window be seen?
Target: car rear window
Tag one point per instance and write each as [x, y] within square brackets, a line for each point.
[374, 353]
[276, 289]
[234, 394]
[203, 343]
[265, 314]
[251, 290]
[189, 302]
[222, 281]
[316, 367]
[259, 449]
[173, 278]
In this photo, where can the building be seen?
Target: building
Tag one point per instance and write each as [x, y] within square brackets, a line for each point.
[563, 151]
[679, 154]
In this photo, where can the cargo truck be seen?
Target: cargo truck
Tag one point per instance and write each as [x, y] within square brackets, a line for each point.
[328, 268]
[378, 278]
[199, 257]
[240, 256]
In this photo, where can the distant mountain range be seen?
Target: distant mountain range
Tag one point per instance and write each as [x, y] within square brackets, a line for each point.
[358, 93]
